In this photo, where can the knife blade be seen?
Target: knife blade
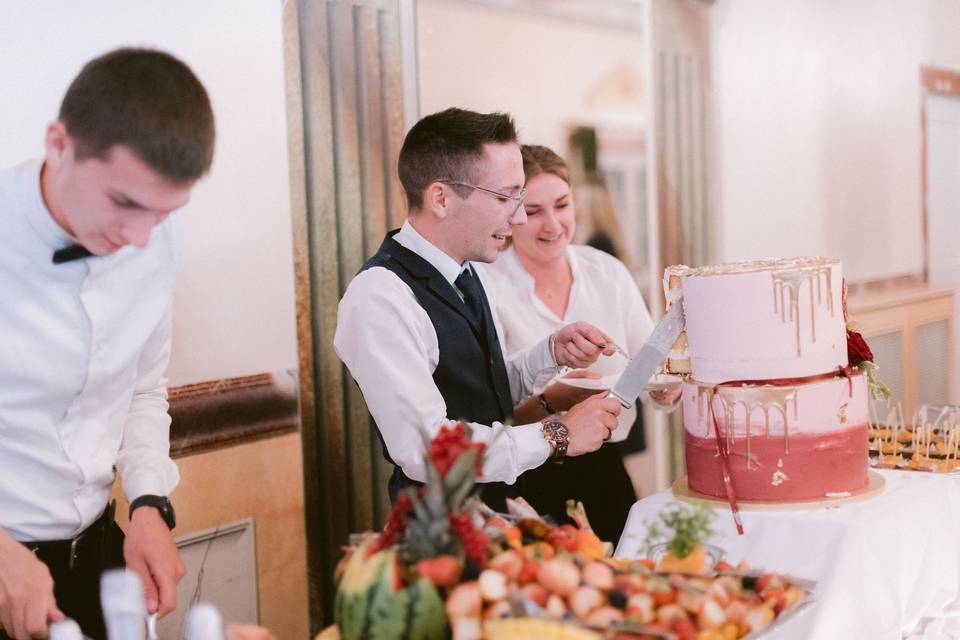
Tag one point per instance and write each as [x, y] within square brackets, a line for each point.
[152, 627]
[638, 373]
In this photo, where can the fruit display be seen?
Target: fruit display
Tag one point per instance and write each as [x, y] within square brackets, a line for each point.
[446, 566]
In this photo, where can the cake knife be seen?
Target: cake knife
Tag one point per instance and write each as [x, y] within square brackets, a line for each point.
[638, 373]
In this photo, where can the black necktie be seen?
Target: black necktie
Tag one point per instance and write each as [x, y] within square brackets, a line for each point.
[71, 253]
[469, 286]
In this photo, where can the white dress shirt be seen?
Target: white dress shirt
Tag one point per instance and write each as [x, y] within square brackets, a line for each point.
[389, 344]
[85, 345]
[603, 293]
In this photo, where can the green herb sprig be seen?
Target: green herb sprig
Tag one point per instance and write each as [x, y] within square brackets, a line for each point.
[690, 524]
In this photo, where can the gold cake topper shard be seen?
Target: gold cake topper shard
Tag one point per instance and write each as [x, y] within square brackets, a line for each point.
[779, 477]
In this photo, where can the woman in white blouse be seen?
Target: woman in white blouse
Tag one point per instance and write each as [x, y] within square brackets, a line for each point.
[543, 282]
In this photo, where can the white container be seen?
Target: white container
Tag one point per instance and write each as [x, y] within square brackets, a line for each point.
[124, 611]
[204, 623]
[66, 629]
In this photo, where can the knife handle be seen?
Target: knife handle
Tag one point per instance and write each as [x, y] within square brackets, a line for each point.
[623, 401]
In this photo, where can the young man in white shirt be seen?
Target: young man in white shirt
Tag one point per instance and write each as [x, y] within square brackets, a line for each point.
[86, 276]
[417, 328]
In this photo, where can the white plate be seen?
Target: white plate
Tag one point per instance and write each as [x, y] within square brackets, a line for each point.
[663, 381]
[604, 383]
[658, 381]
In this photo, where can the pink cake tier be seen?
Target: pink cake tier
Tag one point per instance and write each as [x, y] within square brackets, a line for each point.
[798, 441]
[763, 319]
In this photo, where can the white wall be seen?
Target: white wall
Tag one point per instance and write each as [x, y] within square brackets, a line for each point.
[544, 71]
[234, 312]
[817, 121]
[550, 71]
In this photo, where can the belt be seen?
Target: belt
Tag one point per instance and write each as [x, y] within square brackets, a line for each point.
[85, 549]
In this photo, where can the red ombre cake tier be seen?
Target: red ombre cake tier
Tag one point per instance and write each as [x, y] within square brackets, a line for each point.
[786, 443]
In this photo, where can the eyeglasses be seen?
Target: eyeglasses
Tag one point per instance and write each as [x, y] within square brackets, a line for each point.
[502, 197]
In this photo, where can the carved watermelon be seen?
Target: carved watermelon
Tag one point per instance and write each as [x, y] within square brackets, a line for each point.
[372, 602]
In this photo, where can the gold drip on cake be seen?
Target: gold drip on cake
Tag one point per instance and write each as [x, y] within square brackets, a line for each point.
[786, 290]
[750, 398]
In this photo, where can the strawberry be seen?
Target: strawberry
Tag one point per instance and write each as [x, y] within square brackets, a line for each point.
[764, 581]
[661, 598]
[639, 564]
[776, 598]
[528, 573]
[563, 537]
[442, 571]
[684, 629]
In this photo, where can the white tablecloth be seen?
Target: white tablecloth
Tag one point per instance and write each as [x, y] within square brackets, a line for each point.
[887, 567]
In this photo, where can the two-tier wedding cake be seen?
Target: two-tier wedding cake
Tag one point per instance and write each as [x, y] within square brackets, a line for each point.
[769, 383]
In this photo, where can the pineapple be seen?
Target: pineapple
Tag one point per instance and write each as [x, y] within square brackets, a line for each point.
[534, 629]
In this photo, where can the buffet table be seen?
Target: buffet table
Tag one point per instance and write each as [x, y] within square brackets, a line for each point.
[887, 567]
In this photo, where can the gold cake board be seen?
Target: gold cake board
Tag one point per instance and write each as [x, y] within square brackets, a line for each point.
[875, 483]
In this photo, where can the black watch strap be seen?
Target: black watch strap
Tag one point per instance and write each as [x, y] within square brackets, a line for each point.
[161, 504]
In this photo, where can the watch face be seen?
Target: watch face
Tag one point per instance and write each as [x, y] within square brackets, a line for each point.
[557, 431]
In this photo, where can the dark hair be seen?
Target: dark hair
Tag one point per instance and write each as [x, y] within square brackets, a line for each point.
[538, 159]
[446, 146]
[148, 101]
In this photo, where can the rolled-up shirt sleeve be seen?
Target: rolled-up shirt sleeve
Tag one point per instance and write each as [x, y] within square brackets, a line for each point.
[388, 343]
[144, 458]
[530, 370]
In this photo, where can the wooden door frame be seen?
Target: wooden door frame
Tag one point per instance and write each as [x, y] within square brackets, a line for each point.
[343, 87]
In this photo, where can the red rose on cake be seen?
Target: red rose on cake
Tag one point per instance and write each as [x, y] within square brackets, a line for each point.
[858, 351]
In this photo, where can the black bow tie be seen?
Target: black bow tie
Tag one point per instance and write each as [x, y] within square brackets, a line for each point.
[71, 253]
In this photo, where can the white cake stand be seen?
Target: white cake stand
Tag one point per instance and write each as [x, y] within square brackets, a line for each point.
[875, 483]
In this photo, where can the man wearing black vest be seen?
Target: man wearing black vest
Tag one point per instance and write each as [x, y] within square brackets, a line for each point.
[416, 328]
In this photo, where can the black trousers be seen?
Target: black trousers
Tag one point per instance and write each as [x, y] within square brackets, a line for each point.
[77, 588]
